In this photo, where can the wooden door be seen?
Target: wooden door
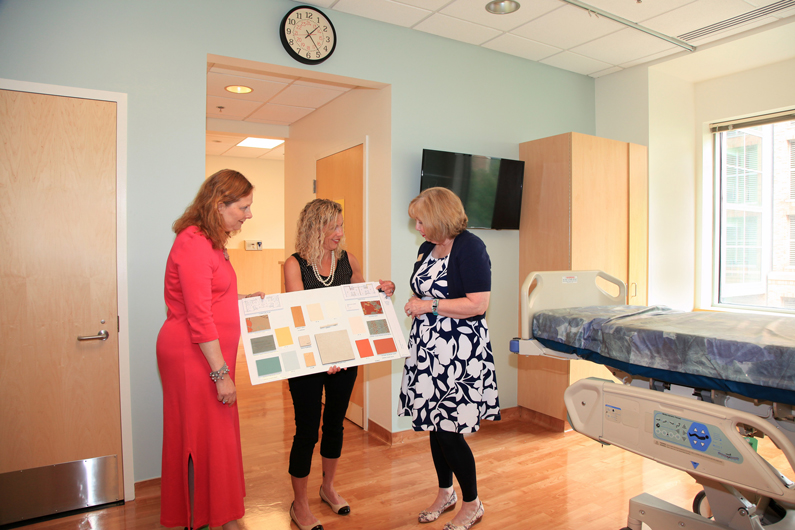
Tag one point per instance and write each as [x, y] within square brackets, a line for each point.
[340, 177]
[60, 395]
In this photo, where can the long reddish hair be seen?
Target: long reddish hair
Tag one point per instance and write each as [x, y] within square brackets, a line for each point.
[226, 186]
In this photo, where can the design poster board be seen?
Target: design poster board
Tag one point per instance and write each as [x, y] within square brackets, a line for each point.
[292, 334]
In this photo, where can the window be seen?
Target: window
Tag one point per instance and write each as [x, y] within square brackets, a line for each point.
[755, 165]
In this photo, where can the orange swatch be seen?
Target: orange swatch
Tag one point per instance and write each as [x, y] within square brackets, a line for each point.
[365, 350]
[384, 346]
[298, 316]
[309, 359]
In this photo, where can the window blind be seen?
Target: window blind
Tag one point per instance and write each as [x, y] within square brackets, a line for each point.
[752, 121]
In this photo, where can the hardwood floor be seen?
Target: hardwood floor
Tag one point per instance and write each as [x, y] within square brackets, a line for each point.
[527, 477]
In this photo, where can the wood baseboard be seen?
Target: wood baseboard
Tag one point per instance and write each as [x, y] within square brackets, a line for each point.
[147, 489]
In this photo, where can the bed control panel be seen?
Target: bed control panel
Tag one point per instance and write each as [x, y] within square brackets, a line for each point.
[704, 438]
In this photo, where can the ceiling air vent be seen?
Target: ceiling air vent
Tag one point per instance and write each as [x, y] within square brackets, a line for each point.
[738, 20]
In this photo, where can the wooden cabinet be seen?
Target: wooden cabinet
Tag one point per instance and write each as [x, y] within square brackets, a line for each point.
[584, 207]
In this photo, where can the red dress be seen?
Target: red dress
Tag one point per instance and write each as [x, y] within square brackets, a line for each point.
[201, 296]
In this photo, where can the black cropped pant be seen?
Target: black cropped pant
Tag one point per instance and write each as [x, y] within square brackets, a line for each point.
[307, 392]
[451, 454]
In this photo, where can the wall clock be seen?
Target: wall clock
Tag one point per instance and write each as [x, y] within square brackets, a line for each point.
[308, 35]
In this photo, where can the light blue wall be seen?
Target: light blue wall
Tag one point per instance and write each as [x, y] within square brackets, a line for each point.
[445, 95]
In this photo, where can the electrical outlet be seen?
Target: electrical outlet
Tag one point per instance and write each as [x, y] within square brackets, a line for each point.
[253, 244]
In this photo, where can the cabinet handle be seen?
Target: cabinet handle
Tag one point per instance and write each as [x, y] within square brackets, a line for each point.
[634, 287]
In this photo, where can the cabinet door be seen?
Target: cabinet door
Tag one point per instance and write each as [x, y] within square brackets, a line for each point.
[637, 285]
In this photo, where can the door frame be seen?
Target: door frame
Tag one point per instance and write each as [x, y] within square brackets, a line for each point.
[125, 394]
[365, 143]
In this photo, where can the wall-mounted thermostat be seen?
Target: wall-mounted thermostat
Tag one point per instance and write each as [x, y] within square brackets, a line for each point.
[253, 244]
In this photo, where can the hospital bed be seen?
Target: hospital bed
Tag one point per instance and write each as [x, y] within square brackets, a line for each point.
[698, 390]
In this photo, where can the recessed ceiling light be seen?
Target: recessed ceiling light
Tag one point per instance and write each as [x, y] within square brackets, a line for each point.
[239, 89]
[502, 7]
[261, 143]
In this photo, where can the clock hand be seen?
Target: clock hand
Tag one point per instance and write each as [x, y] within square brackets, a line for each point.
[313, 41]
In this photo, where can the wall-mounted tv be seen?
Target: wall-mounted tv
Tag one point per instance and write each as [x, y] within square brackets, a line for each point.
[490, 188]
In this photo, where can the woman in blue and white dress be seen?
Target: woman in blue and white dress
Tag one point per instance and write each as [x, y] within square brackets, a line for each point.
[449, 383]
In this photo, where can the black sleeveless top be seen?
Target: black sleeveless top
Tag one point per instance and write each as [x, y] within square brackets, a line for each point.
[342, 273]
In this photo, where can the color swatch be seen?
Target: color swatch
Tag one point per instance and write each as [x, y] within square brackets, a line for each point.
[260, 323]
[372, 307]
[334, 347]
[269, 366]
[383, 346]
[290, 360]
[309, 359]
[284, 337]
[298, 316]
[304, 341]
[263, 344]
[357, 325]
[332, 310]
[365, 350]
[315, 312]
[378, 327]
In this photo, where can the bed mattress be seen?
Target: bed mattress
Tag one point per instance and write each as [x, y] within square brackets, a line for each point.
[750, 355]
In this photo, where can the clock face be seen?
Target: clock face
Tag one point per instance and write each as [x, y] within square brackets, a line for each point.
[307, 35]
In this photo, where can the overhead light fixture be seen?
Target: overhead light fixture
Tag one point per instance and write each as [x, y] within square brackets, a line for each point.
[502, 7]
[239, 89]
[260, 143]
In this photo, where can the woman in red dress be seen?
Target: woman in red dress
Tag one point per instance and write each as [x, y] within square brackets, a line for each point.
[202, 470]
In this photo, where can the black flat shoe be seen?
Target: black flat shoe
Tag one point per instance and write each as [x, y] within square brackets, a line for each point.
[339, 509]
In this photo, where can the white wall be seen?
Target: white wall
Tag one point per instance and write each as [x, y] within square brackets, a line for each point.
[672, 184]
[267, 176]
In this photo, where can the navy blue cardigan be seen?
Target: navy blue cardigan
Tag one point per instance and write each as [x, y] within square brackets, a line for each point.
[469, 267]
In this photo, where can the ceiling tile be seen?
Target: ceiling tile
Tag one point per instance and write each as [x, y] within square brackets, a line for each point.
[216, 144]
[567, 27]
[246, 152]
[281, 114]
[576, 63]
[328, 86]
[319, 3]
[696, 15]
[652, 57]
[637, 11]
[457, 29]
[306, 96]
[232, 108]
[383, 10]
[261, 90]
[622, 46]
[433, 5]
[277, 153]
[521, 47]
[602, 73]
[475, 11]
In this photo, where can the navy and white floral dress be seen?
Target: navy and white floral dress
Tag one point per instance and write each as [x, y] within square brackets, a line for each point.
[449, 382]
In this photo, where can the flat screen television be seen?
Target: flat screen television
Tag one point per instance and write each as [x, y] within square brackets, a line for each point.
[490, 188]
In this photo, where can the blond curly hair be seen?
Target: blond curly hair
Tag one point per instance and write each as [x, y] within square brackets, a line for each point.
[317, 218]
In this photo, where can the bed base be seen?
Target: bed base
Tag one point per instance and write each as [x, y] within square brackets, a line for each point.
[705, 440]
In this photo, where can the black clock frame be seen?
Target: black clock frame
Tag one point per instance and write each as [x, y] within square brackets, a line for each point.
[295, 55]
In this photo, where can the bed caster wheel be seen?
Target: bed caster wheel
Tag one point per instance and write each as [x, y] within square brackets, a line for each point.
[701, 505]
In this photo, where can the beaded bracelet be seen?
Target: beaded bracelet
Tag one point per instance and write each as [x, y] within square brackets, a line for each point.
[218, 375]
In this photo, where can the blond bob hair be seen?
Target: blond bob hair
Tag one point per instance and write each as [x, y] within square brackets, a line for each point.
[441, 213]
[226, 186]
[317, 219]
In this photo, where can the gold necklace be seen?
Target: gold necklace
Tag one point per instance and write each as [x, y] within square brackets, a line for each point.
[327, 282]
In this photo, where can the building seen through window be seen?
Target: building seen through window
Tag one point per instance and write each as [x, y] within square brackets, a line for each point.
[756, 168]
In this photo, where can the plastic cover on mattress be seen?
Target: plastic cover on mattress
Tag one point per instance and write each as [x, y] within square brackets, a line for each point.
[744, 348]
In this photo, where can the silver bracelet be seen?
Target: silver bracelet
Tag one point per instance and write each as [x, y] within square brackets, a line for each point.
[218, 375]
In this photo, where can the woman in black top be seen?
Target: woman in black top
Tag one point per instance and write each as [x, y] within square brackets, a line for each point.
[320, 261]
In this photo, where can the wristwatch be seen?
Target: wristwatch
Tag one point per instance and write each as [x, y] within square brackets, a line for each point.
[435, 306]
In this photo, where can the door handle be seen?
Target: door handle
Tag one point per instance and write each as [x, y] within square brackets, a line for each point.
[102, 335]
